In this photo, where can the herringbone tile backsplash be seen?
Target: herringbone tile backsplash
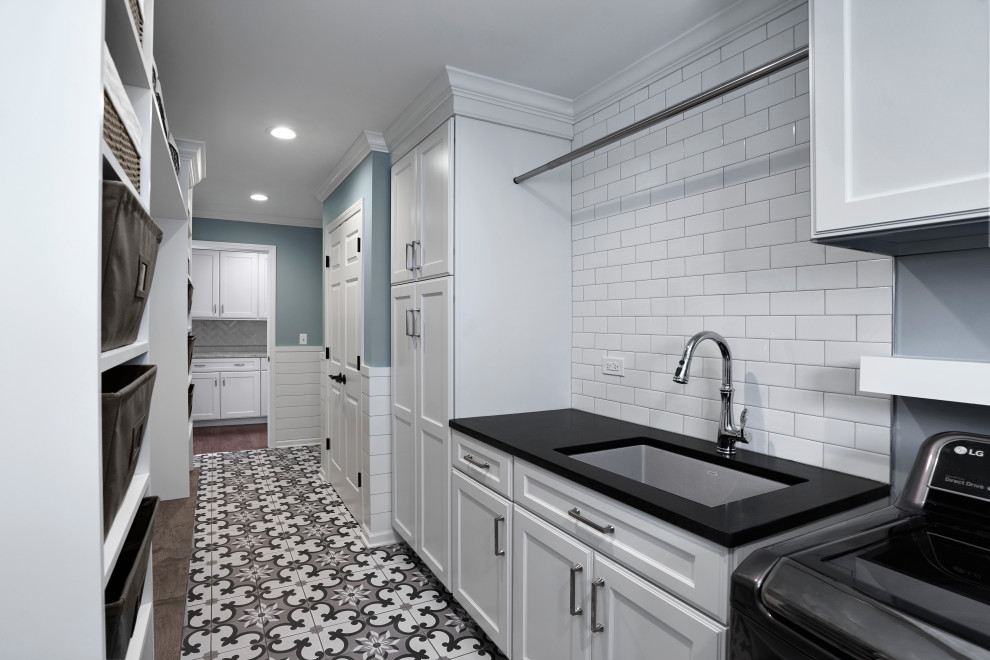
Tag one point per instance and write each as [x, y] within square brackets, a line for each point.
[218, 334]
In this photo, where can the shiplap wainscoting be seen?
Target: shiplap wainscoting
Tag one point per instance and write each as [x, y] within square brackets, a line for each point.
[297, 395]
[703, 223]
[376, 440]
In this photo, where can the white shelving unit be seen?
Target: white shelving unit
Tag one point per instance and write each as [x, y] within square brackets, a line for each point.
[923, 378]
[51, 477]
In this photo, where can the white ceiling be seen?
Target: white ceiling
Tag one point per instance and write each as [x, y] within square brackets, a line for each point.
[230, 69]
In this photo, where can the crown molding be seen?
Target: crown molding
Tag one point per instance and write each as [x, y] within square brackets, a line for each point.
[365, 143]
[459, 92]
[195, 152]
[729, 24]
[210, 214]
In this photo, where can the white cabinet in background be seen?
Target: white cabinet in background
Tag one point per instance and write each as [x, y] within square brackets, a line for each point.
[206, 396]
[423, 208]
[239, 285]
[421, 405]
[481, 556]
[229, 284]
[263, 285]
[901, 114]
[205, 273]
[240, 394]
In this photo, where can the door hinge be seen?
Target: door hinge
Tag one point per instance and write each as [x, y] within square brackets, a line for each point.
[359, 243]
[328, 444]
[328, 261]
[359, 363]
[328, 352]
[359, 479]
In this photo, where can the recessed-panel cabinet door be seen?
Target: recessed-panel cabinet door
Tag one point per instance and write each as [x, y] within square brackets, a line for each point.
[435, 170]
[404, 471]
[404, 217]
[431, 321]
[240, 394]
[901, 114]
[239, 285]
[551, 578]
[481, 556]
[206, 396]
[638, 619]
[205, 273]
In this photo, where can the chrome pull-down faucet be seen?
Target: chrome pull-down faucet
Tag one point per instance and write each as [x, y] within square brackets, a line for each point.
[728, 433]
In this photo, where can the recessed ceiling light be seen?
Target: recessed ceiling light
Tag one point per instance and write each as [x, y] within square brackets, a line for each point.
[259, 197]
[282, 133]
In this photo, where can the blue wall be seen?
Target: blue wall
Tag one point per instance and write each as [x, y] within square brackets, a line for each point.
[298, 276]
[370, 181]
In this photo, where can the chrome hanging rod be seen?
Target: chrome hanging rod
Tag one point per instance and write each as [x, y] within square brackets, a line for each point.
[761, 71]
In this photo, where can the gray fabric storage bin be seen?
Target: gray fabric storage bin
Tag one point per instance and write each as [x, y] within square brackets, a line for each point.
[126, 399]
[130, 249]
[192, 342]
[122, 596]
[189, 304]
[191, 386]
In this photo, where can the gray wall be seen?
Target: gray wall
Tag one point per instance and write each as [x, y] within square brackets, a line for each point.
[941, 311]
[370, 181]
[299, 272]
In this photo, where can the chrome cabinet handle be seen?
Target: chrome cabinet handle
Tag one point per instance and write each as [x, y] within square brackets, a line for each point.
[221, 309]
[604, 529]
[575, 569]
[214, 308]
[409, 332]
[475, 462]
[595, 626]
[417, 255]
[225, 382]
[498, 553]
[215, 381]
[199, 365]
[238, 364]
[417, 314]
[409, 247]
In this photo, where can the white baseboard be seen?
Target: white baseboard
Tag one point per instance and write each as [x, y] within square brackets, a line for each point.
[386, 537]
[323, 475]
[302, 442]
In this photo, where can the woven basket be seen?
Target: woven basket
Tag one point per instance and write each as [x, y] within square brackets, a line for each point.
[138, 19]
[120, 143]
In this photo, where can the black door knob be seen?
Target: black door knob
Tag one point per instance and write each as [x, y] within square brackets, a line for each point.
[339, 378]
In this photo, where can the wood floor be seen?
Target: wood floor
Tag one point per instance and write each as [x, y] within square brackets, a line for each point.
[171, 549]
[214, 439]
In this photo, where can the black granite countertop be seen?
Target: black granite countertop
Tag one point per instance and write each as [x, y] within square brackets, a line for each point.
[815, 493]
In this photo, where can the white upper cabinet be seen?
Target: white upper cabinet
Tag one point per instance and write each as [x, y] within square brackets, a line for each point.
[229, 284]
[263, 286]
[206, 284]
[239, 285]
[901, 113]
[423, 209]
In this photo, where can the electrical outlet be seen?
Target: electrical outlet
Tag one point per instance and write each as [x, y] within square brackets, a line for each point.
[614, 366]
[302, 339]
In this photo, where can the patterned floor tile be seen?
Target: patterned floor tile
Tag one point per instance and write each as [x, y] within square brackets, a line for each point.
[278, 572]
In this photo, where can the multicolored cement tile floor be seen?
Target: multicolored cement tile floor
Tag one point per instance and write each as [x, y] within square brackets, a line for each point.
[278, 571]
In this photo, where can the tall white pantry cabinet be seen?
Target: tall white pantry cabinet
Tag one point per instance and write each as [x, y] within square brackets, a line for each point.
[56, 561]
[468, 324]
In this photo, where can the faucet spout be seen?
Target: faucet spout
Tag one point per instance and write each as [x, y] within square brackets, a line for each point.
[728, 432]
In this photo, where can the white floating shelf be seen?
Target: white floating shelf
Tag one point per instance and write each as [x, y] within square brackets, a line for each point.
[120, 355]
[114, 542]
[944, 380]
[166, 198]
[124, 44]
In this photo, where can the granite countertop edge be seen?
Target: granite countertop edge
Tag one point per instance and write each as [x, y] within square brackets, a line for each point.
[536, 438]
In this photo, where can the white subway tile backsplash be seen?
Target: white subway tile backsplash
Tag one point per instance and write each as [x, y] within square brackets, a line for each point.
[704, 223]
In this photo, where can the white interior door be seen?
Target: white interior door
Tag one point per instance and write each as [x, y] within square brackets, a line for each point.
[345, 311]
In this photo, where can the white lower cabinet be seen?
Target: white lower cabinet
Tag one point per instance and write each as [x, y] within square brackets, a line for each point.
[240, 394]
[550, 588]
[481, 556]
[206, 396]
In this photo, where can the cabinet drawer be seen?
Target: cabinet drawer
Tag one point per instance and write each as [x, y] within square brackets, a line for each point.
[225, 364]
[682, 563]
[483, 463]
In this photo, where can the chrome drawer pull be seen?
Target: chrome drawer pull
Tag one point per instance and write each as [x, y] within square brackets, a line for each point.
[417, 255]
[604, 529]
[595, 626]
[409, 321]
[238, 364]
[498, 553]
[575, 569]
[409, 247]
[475, 462]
